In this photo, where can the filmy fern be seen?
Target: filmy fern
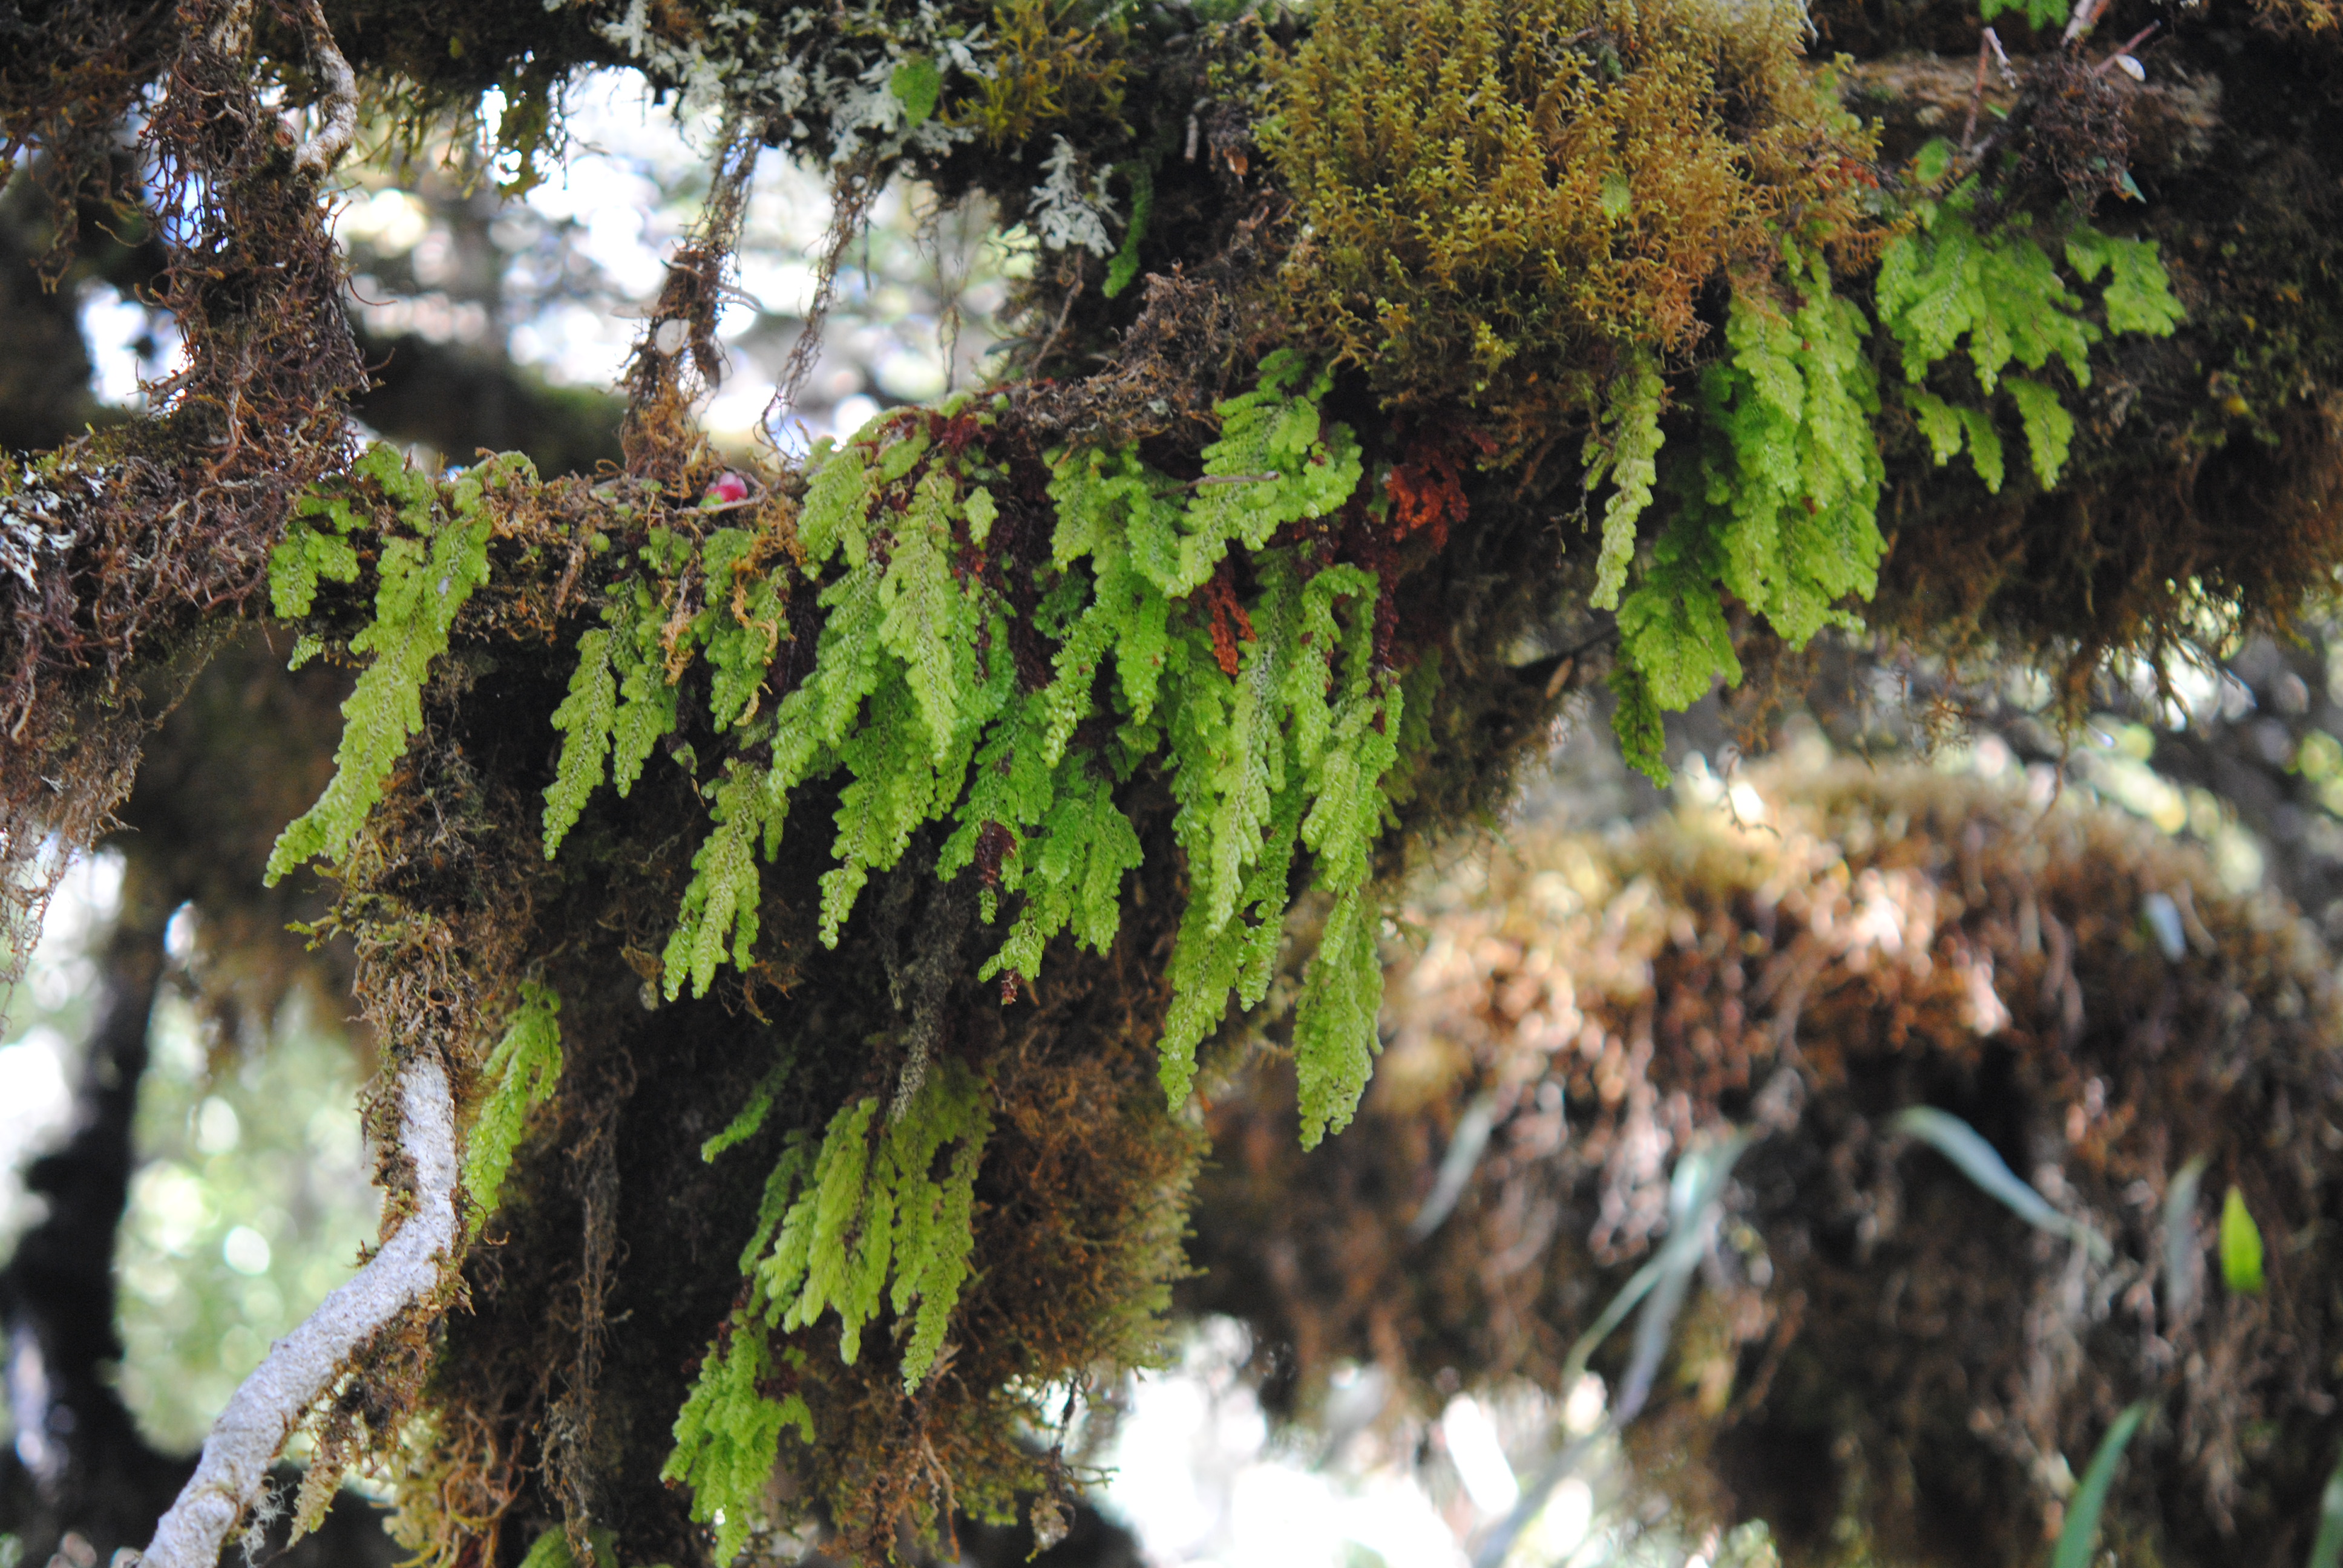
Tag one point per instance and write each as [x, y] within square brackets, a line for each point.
[868, 1213]
[521, 1072]
[1630, 461]
[1778, 506]
[1281, 733]
[728, 1437]
[1946, 282]
[433, 556]
[860, 1220]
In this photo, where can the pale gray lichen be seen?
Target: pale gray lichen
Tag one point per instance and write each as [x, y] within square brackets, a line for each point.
[1064, 215]
[828, 75]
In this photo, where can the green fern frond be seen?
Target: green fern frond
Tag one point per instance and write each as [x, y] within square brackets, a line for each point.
[522, 1069]
[927, 620]
[1945, 281]
[727, 1438]
[1630, 461]
[647, 702]
[1334, 1026]
[2139, 295]
[721, 902]
[421, 583]
[584, 718]
[870, 1215]
[2049, 429]
[308, 553]
[741, 642]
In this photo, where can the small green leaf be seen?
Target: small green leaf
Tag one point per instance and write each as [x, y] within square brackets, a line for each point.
[917, 84]
[2241, 1246]
[1933, 162]
[1618, 196]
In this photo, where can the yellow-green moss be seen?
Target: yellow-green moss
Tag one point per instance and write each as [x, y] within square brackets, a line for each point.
[1499, 199]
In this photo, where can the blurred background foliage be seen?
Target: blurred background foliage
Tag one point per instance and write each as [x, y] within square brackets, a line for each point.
[251, 1201]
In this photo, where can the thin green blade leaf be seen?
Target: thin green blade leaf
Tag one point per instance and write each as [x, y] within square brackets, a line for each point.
[1699, 1182]
[2326, 1550]
[2180, 1239]
[2081, 1536]
[1978, 1160]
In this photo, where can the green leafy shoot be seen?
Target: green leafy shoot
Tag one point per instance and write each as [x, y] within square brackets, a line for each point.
[871, 1210]
[1945, 283]
[308, 552]
[752, 1114]
[2049, 429]
[720, 906]
[2241, 1246]
[728, 1436]
[2139, 295]
[1779, 507]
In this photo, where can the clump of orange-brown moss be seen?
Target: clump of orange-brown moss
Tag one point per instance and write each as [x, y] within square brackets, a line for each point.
[1497, 200]
[119, 546]
[1884, 1361]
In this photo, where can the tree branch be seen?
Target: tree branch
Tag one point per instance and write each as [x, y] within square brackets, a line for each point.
[303, 1365]
[338, 112]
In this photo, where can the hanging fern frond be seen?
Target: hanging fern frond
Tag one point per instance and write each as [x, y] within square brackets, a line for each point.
[432, 558]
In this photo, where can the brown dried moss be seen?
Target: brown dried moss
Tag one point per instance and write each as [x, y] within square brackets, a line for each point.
[1891, 1362]
[124, 543]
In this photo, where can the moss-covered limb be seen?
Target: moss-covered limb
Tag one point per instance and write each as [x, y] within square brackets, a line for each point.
[2201, 464]
[1784, 146]
[732, 637]
[2169, 120]
[1882, 940]
[1076, 688]
[123, 543]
